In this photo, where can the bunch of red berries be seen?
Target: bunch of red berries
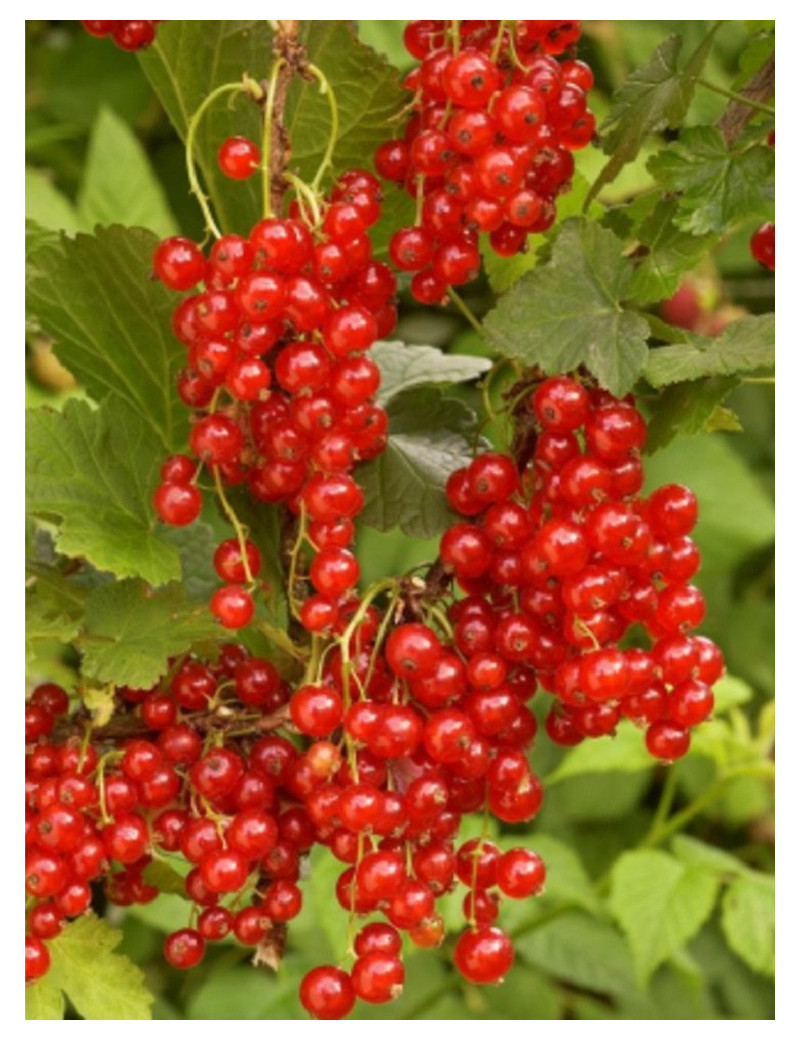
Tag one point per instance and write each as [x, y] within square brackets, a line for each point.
[129, 36]
[489, 147]
[562, 561]
[279, 379]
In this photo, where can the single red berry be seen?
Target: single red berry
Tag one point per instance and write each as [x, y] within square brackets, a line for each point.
[238, 157]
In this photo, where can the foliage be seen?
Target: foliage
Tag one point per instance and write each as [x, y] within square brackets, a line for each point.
[660, 897]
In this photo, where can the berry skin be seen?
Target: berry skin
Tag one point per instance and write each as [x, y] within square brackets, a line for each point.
[484, 955]
[762, 246]
[327, 992]
[177, 504]
[238, 158]
[37, 958]
[179, 263]
[233, 606]
[184, 949]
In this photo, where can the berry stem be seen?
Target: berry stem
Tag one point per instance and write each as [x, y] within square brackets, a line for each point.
[241, 535]
[247, 86]
[740, 99]
[466, 311]
[327, 159]
[269, 119]
[305, 194]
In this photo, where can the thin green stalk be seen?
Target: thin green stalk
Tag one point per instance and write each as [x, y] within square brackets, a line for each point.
[465, 310]
[327, 159]
[191, 168]
[741, 99]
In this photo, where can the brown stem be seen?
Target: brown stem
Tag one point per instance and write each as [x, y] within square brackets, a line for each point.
[737, 115]
[287, 46]
[125, 727]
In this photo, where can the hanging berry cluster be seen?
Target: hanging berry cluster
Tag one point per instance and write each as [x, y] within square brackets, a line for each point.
[489, 146]
[280, 382]
[129, 36]
[572, 556]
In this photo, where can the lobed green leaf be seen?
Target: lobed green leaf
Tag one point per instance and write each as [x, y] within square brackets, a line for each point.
[570, 311]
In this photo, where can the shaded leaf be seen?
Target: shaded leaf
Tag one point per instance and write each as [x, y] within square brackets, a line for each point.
[569, 312]
[670, 253]
[403, 365]
[429, 437]
[54, 605]
[119, 185]
[687, 408]
[654, 96]
[165, 878]
[748, 921]
[111, 324]
[93, 471]
[660, 904]
[100, 984]
[699, 854]
[718, 186]
[747, 345]
[132, 630]
[567, 880]
[582, 950]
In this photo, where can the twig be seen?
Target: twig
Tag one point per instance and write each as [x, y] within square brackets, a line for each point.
[738, 114]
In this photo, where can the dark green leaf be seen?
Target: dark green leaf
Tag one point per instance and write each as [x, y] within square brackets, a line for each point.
[660, 904]
[165, 878]
[100, 984]
[111, 324]
[119, 185]
[717, 186]
[403, 366]
[686, 408]
[429, 437]
[191, 58]
[654, 96]
[94, 471]
[748, 345]
[132, 631]
[569, 312]
[748, 921]
[670, 253]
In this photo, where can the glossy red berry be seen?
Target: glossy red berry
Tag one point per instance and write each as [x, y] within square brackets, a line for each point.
[238, 157]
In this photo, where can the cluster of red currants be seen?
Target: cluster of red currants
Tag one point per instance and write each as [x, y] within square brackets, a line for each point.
[279, 378]
[489, 146]
[130, 36]
[560, 562]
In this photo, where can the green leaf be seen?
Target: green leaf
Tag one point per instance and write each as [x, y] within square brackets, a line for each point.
[723, 420]
[111, 324]
[687, 408]
[717, 186]
[43, 1000]
[99, 983]
[584, 951]
[165, 878]
[670, 253]
[193, 57]
[748, 921]
[45, 204]
[429, 437]
[54, 605]
[569, 312]
[403, 366]
[660, 904]
[567, 880]
[132, 630]
[729, 692]
[698, 854]
[747, 345]
[94, 471]
[624, 753]
[119, 185]
[101, 703]
[654, 96]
